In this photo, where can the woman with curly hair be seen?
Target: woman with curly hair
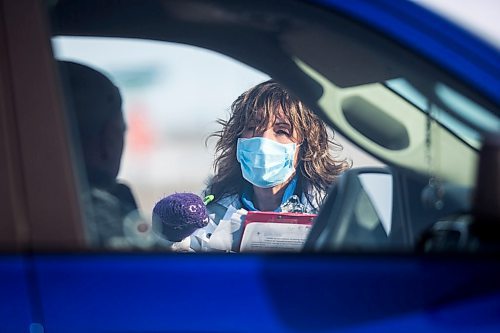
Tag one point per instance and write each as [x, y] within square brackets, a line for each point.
[271, 148]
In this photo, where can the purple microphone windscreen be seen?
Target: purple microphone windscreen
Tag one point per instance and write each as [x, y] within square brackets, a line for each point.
[178, 215]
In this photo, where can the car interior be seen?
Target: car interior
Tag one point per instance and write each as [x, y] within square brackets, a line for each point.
[433, 192]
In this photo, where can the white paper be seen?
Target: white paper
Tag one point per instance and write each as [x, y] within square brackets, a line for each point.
[274, 237]
[222, 237]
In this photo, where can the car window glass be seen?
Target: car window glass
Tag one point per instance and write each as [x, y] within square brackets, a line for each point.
[430, 136]
[407, 116]
[172, 95]
[471, 111]
[405, 89]
[379, 188]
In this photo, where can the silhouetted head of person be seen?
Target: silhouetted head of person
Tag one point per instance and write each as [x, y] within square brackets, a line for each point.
[97, 108]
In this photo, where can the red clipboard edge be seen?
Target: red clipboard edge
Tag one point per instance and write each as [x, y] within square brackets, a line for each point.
[278, 217]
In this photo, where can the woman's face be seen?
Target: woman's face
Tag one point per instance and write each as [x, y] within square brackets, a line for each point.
[278, 129]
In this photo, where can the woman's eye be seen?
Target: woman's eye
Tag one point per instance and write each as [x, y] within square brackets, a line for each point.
[283, 132]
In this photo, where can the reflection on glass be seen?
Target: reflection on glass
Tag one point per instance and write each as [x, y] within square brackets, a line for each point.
[470, 110]
[409, 92]
[172, 95]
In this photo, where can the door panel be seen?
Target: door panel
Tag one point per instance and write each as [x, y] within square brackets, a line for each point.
[16, 313]
[204, 293]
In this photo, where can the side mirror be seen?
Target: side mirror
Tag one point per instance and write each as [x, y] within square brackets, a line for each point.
[357, 213]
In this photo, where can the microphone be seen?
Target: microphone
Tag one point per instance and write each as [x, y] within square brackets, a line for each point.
[179, 215]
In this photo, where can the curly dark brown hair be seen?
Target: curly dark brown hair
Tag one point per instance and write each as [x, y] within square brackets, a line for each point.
[317, 168]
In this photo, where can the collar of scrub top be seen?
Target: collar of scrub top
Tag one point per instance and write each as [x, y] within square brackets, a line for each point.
[247, 194]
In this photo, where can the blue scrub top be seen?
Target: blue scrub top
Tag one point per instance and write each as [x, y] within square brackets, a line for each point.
[247, 194]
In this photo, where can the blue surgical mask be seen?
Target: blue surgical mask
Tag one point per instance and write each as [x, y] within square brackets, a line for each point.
[264, 162]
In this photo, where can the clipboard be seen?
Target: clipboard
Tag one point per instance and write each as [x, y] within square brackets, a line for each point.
[275, 231]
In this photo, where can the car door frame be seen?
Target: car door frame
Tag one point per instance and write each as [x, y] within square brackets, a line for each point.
[45, 205]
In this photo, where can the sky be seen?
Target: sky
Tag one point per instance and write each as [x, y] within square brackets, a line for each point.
[478, 16]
